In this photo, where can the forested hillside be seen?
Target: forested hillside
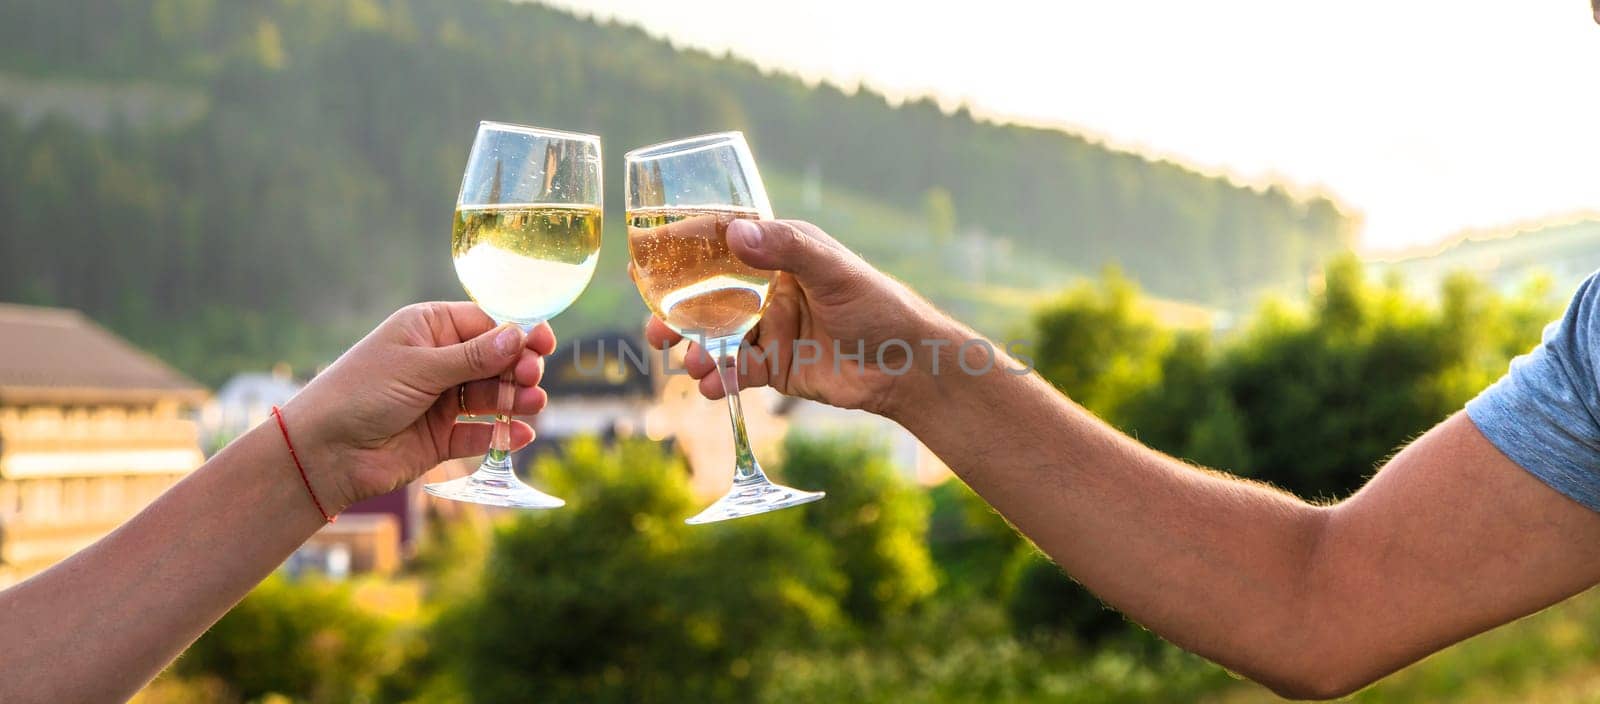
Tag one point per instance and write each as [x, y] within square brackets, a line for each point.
[235, 183]
[1566, 252]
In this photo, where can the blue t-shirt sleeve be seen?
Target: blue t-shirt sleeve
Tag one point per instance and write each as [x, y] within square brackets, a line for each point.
[1542, 413]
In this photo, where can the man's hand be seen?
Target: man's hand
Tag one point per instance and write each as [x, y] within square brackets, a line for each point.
[386, 411]
[827, 306]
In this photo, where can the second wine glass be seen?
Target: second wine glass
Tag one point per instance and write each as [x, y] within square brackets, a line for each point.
[682, 196]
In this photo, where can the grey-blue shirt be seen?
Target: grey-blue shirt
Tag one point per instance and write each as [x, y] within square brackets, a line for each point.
[1542, 413]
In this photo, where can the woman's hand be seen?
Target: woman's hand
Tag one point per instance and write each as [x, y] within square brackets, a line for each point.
[386, 411]
[99, 625]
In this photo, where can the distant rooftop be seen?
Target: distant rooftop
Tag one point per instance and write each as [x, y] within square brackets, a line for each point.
[257, 388]
[605, 364]
[55, 355]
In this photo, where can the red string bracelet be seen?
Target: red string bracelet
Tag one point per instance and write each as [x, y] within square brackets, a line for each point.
[278, 414]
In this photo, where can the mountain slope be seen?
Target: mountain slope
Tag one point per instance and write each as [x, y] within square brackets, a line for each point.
[308, 185]
[1567, 252]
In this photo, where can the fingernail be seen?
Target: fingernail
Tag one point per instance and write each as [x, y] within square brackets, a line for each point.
[747, 231]
[508, 340]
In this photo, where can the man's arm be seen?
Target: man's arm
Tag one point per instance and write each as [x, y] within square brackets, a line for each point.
[1449, 539]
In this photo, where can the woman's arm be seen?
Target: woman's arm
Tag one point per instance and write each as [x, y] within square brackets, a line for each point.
[99, 625]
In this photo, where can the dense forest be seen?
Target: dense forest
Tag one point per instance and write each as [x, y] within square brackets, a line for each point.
[234, 183]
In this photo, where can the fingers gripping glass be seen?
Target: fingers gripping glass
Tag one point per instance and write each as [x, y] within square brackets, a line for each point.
[525, 241]
[681, 198]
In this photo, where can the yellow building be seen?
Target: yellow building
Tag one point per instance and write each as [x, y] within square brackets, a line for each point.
[91, 431]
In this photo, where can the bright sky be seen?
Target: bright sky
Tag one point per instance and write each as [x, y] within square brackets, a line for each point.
[1427, 116]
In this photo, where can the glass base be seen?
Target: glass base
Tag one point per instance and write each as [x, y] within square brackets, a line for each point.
[492, 488]
[754, 498]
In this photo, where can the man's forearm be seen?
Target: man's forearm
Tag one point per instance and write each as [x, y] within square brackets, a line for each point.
[1136, 527]
[102, 623]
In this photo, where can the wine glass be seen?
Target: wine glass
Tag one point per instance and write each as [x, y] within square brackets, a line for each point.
[682, 195]
[525, 241]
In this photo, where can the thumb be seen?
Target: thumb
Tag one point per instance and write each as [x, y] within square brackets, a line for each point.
[817, 263]
[478, 358]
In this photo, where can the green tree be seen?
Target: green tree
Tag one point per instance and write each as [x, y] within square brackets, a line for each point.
[614, 598]
[1308, 398]
[1099, 344]
[875, 522]
[1188, 411]
[939, 209]
[303, 639]
[970, 543]
[1042, 601]
[1329, 394]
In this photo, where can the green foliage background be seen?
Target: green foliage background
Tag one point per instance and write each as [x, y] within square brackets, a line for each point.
[231, 184]
[888, 592]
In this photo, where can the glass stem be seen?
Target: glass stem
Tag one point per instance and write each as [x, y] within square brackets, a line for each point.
[745, 469]
[499, 455]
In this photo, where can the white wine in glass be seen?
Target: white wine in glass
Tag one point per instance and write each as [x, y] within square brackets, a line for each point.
[681, 198]
[525, 240]
[525, 261]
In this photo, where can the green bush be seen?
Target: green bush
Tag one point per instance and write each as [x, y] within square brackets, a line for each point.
[614, 598]
[970, 543]
[965, 652]
[875, 522]
[985, 561]
[1099, 344]
[1308, 398]
[1042, 601]
[304, 639]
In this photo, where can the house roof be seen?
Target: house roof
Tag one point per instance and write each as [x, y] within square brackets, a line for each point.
[612, 363]
[55, 355]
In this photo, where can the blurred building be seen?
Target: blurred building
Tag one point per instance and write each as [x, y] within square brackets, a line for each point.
[600, 385]
[91, 431]
[243, 402]
[363, 540]
[612, 385]
[915, 462]
[700, 428]
[375, 536]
